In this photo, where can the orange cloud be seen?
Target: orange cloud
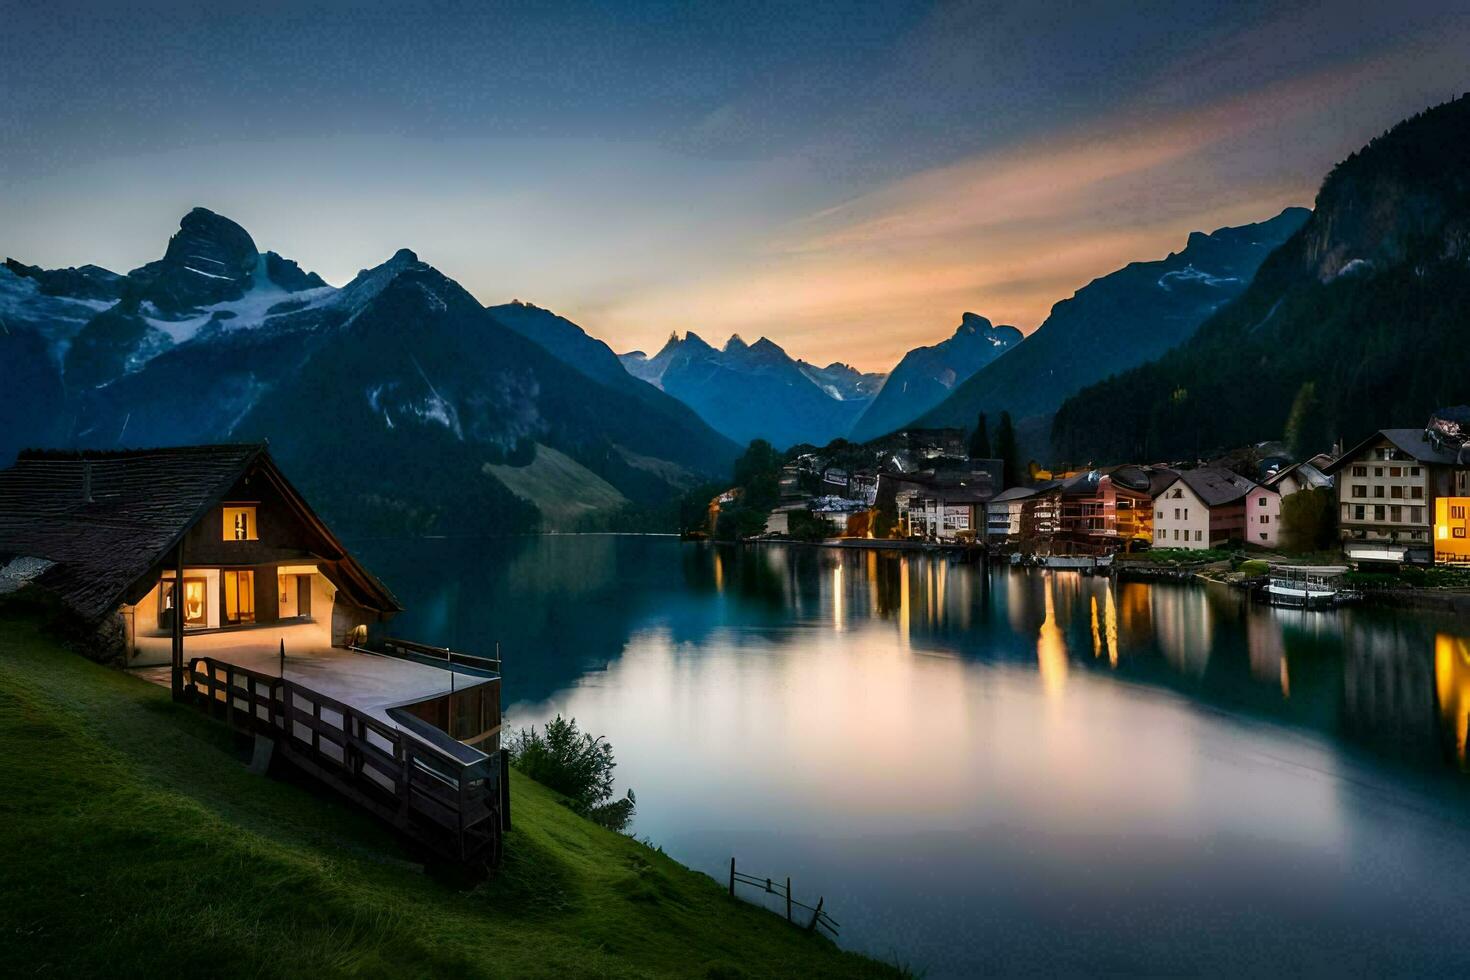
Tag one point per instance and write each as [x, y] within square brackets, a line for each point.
[1007, 234]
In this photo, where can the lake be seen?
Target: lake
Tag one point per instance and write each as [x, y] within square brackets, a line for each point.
[999, 770]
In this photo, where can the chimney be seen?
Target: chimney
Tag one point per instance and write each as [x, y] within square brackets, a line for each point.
[86, 481]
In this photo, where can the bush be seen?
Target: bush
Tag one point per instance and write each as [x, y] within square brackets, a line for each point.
[577, 766]
[1254, 567]
[803, 525]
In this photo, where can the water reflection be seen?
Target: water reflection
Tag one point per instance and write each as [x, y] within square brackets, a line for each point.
[997, 749]
[561, 607]
[1452, 688]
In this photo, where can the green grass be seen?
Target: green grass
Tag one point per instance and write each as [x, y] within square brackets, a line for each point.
[565, 491]
[1176, 556]
[135, 841]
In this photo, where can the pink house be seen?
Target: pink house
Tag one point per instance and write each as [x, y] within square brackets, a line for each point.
[1262, 517]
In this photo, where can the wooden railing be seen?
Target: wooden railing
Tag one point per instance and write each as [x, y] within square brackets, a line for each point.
[773, 886]
[422, 651]
[444, 794]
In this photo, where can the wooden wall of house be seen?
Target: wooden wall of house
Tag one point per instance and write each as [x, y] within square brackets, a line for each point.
[281, 537]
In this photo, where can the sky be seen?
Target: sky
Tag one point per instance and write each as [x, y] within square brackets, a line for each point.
[846, 179]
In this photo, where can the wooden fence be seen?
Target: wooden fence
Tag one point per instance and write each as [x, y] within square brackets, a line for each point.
[444, 794]
[410, 650]
[772, 886]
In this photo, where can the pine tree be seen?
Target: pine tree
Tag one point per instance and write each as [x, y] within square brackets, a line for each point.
[980, 439]
[1008, 451]
[1306, 426]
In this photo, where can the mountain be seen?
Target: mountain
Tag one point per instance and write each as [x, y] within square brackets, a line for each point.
[843, 381]
[1358, 321]
[1113, 323]
[927, 375]
[593, 358]
[756, 391]
[398, 402]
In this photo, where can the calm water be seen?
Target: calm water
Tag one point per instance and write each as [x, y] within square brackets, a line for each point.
[1013, 771]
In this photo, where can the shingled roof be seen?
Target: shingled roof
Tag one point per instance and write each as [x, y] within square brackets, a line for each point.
[109, 518]
[1414, 442]
[1213, 485]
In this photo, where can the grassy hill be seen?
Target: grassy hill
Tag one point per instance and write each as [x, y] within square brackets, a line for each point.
[135, 841]
[563, 490]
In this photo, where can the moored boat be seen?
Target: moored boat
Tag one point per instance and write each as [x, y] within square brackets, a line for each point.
[1308, 586]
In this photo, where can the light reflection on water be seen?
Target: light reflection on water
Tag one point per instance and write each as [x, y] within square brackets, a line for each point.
[1001, 771]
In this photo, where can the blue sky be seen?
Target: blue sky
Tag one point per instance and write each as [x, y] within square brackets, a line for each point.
[844, 178]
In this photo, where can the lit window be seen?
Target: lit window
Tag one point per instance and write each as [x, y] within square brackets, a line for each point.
[240, 596]
[239, 523]
[196, 602]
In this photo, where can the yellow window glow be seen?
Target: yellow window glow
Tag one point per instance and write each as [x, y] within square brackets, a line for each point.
[239, 523]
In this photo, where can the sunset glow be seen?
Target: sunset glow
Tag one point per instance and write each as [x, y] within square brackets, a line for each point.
[848, 208]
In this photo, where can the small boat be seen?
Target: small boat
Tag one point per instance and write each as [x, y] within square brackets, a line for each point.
[1308, 586]
[1074, 563]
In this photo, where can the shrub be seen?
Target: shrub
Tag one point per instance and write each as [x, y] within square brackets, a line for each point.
[577, 766]
[1254, 567]
[803, 525]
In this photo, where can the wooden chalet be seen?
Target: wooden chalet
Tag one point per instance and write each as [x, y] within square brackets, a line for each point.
[205, 562]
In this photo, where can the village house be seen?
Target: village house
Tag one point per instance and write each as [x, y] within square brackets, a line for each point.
[1041, 517]
[1306, 475]
[1104, 512]
[205, 566]
[1389, 490]
[938, 505]
[949, 514]
[834, 482]
[1201, 508]
[1003, 516]
[1262, 517]
[839, 513]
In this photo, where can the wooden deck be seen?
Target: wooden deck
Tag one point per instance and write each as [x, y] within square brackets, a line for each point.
[337, 715]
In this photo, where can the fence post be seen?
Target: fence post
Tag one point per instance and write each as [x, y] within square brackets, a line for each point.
[732, 877]
[817, 914]
[788, 898]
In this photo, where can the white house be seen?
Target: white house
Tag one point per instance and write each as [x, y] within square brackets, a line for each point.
[1201, 509]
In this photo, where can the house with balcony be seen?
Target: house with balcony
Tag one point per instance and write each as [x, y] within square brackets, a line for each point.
[936, 505]
[1201, 509]
[1103, 512]
[949, 513]
[204, 568]
[1041, 517]
[1389, 488]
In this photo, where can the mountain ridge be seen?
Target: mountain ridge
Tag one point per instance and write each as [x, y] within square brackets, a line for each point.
[1112, 323]
[1356, 322]
[755, 391]
[925, 376]
[399, 360]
